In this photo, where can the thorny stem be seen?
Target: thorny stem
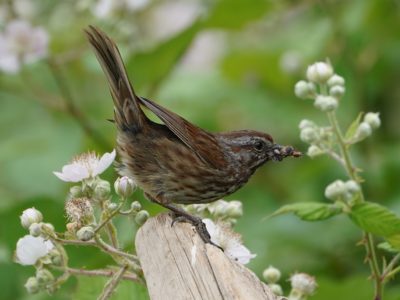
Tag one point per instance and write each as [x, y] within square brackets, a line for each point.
[367, 237]
[112, 284]
[99, 244]
[103, 272]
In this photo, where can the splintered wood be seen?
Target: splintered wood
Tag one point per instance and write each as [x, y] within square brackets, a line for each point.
[178, 265]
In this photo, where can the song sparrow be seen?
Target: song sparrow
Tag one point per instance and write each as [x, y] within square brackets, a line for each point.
[177, 162]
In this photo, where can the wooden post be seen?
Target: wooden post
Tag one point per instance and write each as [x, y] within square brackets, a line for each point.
[178, 265]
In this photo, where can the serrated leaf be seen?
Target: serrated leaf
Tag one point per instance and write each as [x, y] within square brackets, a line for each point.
[310, 211]
[376, 219]
[353, 127]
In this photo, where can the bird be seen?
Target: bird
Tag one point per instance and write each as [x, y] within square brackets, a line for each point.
[176, 162]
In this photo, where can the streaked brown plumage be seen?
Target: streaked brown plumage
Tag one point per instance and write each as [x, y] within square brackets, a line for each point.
[177, 162]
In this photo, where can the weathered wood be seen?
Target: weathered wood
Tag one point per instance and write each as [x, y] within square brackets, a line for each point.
[178, 265]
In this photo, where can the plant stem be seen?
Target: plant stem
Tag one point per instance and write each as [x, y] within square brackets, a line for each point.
[112, 284]
[103, 272]
[368, 238]
[388, 272]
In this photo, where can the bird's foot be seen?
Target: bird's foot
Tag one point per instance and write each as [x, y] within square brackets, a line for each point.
[197, 223]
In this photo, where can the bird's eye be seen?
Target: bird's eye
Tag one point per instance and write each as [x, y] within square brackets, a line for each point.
[259, 146]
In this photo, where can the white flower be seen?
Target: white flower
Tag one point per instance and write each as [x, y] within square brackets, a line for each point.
[87, 165]
[303, 283]
[305, 90]
[21, 43]
[336, 80]
[319, 72]
[373, 120]
[326, 103]
[229, 242]
[30, 249]
[335, 190]
[30, 216]
[363, 131]
[314, 151]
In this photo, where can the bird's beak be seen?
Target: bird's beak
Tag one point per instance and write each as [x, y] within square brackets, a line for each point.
[279, 152]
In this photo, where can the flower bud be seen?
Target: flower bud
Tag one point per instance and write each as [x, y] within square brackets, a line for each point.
[373, 120]
[35, 229]
[319, 72]
[335, 190]
[314, 151]
[47, 229]
[271, 274]
[32, 285]
[219, 208]
[303, 283]
[76, 191]
[352, 187]
[136, 206]
[309, 135]
[276, 289]
[112, 206]
[363, 131]
[304, 90]
[124, 186]
[306, 123]
[44, 276]
[336, 80]
[55, 257]
[30, 216]
[86, 233]
[141, 217]
[337, 91]
[102, 190]
[326, 103]
[234, 209]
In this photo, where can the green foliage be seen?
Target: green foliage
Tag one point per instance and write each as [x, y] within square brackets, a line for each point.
[310, 211]
[376, 219]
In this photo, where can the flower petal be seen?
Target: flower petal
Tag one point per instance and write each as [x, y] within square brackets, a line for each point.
[73, 173]
[104, 162]
[238, 252]
[30, 249]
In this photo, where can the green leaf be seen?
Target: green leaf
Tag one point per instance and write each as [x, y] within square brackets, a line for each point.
[376, 219]
[151, 67]
[91, 287]
[310, 211]
[353, 127]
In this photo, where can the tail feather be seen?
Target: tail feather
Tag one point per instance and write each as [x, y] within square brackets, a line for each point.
[128, 114]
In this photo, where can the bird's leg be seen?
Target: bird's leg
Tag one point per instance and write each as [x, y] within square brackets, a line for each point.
[180, 215]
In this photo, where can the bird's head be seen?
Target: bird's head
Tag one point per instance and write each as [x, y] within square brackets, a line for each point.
[253, 148]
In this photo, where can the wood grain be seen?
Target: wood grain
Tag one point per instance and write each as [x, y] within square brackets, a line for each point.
[178, 265]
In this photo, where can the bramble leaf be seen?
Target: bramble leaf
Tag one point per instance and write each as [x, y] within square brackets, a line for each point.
[376, 219]
[310, 211]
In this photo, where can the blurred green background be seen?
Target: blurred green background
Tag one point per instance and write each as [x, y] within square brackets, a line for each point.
[224, 65]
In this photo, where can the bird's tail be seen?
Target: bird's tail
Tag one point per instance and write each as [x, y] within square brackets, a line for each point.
[127, 111]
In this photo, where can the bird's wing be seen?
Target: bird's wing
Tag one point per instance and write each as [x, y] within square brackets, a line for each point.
[201, 142]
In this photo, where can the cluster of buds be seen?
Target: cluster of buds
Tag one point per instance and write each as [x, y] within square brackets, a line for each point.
[37, 250]
[342, 191]
[326, 89]
[303, 285]
[220, 210]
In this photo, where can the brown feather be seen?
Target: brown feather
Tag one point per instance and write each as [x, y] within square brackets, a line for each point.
[198, 140]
